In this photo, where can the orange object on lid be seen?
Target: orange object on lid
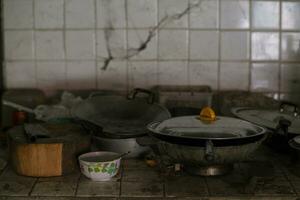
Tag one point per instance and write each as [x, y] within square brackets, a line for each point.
[207, 114]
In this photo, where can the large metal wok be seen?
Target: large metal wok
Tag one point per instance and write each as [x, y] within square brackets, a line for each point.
[121, 120]
[206, 148]
[284, 123]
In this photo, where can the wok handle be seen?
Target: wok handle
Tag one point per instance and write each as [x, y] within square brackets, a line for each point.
[151, 95]
[151, 127]
[284, 104]
[283, 126]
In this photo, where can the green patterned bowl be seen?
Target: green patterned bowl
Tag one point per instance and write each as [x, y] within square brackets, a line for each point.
[100, 165]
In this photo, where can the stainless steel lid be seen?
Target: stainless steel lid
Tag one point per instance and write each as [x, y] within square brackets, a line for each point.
[192, 127]
[269, 118]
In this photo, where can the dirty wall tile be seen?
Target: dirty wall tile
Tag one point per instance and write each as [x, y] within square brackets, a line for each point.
[265, 14]
[106, 78]
[81, 74]
[142, 13]
[290, 78]
[49, 45]
[19, 45]
[18, 14]
[49, 14]
[80, 14]
[51, 75]
[204, 45]
[290, 47]
[204, 73]
[235, 45]
[265, 46]
[264, 77]
[80, 44]
[234, 14]
[234, 76]
[172, 73]
[206, 15]
[291, 15]
[113, 41]
[111, 13]
[173, 44]
[136, 40]
[20, 74]
[142, 74]
[169, 8]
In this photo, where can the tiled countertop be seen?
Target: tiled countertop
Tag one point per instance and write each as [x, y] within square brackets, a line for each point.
[265, 176]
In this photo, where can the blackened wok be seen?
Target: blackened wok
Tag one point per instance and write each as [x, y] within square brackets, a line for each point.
[120, 116]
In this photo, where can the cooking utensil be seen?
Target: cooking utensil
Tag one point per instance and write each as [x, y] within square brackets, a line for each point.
[100, 166]
[206, 146]
[42, 112]
[271, 118]
[284, 123]
[118, 121]
[118, 116]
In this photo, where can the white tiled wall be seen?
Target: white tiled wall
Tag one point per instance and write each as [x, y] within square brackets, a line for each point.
[249, 45]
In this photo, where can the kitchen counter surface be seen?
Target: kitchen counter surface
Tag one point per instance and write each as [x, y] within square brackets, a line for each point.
[266, 175]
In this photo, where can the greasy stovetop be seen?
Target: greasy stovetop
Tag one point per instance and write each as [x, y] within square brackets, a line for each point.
[265, 174]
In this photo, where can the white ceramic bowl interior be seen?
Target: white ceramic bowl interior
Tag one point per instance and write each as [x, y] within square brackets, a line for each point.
[100, 165]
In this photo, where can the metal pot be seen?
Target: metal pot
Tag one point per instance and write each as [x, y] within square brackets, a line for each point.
[283, 124]
[202, 146]
[117, 121]
[131, 145]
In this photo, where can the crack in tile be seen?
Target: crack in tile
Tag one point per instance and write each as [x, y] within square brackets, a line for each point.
[143, 45]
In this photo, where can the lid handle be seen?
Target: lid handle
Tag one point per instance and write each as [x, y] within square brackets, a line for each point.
[151, 95]
[285, 104]
[207, 114]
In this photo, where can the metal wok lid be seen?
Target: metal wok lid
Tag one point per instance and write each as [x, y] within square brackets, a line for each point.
[191, 127]
[269, 118]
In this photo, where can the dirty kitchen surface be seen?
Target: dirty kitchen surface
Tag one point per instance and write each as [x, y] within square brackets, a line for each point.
[266, 175]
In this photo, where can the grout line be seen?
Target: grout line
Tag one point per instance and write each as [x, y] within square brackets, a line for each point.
[96, 44]
[219, 46]
[275, 30]
[34, 44]
[121, 180]
[280, 52]
[65, 45]
[157, 47]
[207, 187]
[126, 47]
[33, 186]
[250, 45]
[77, 184]
[189, 82]
[147, 60]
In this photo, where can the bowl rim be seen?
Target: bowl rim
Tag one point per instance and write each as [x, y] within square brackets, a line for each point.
[92, 153]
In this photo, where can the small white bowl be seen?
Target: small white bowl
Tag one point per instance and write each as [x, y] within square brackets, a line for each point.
[100, 165]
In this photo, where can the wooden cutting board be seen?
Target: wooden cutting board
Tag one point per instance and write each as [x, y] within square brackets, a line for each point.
[54, 156]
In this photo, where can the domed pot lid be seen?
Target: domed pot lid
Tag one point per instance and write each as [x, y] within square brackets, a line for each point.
[190, 129]
[269, 118]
